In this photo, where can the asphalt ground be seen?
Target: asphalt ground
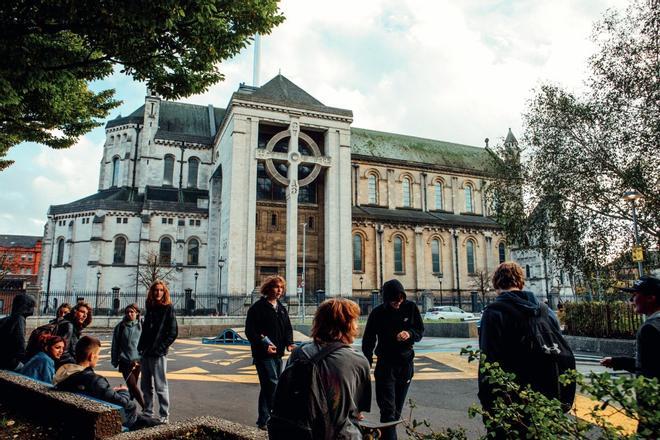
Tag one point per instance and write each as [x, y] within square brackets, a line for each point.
[220, 380]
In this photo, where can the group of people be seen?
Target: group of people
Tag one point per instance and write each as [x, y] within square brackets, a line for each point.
[59, 354]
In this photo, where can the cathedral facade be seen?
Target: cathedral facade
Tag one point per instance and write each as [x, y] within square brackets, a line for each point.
[275, 183]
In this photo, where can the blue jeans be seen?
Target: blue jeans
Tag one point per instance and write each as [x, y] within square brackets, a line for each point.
[269, 371]
[154, 376]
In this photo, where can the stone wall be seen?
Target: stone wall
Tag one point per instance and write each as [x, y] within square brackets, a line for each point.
[601, 347]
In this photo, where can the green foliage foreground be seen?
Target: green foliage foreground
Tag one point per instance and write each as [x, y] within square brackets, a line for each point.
[522, 409]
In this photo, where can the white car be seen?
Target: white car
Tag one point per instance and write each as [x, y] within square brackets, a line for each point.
[448, 312]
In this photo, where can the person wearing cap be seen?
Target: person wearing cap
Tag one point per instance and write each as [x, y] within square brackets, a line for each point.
[392, 329]
[646, 297]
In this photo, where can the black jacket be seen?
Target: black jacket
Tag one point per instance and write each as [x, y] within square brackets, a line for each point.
[383, 324]
[70, 331]
[647, 362]
[12, 332]
[264, 320]
[159, 331]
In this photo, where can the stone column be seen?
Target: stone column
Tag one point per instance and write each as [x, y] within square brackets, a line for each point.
[390, 189]
[252, 137]
[419, 259]
[292, 211]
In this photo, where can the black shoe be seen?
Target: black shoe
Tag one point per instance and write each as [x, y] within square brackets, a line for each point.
[262, 427]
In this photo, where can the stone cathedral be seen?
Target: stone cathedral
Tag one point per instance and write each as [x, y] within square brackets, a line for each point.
[274, 183]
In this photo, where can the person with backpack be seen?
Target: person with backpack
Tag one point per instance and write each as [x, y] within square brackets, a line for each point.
[41, 366]
[159, 331]
[326, 384]
[525, 339]
[268, 328]
[124, 352]
[392, 328]
[70, 329]
[12, 332]
[61, 312]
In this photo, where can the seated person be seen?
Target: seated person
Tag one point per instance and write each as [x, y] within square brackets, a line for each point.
[81, 378]
[41, 366]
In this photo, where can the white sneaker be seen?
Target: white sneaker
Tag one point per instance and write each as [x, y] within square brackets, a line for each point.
[165, 420]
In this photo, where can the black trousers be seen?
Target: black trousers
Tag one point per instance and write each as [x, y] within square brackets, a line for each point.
[392, 383]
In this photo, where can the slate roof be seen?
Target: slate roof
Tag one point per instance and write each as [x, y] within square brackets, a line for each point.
[510, 139]
[371, 144]
[416, 216]
[281, 91]
[127, 199]
[22, 241]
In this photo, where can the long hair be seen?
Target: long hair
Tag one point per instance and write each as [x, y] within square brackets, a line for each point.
[151, 293]
[508, 275]
[59, 310]
[270, 282]
[48, 341]
[336, 320]
[135, 307]
[71, 315]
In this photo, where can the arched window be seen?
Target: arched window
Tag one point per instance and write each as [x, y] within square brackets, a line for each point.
[60, 252]
[501, 250]
[435, 256]
[115, 171]
[358, 251]
[528, 271]
[119, 256]
[165, 253]
[168, 170]
[437, 193]
[405, 192]
[469, 251]
[469, 205]
[398, 254]
[193, 252]
[372, 182]
[193, 170]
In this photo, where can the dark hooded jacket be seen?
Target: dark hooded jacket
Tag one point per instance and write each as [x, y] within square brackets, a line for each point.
[12, 332]
[384, 323]
[70, 330]
[500, 340]
[159, 331]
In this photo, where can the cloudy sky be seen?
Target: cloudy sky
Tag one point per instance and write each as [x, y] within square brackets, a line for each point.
[457, 71]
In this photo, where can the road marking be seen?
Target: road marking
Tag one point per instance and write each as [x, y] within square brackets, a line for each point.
[191, 370]
[583, 406]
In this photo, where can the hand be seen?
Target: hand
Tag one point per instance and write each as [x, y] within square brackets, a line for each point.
[271, 349]
[120, 388]
[606, 362]
[403, 336]
[291, 347]
[359, 416]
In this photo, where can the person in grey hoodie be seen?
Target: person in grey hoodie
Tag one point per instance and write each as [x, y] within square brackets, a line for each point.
[12, 332]
[124, 353]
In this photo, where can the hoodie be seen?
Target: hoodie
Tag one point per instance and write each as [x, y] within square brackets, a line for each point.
[385, 322]
[125, 340]
[12, 332]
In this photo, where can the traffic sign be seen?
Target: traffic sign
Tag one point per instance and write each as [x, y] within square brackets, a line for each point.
[637, 254]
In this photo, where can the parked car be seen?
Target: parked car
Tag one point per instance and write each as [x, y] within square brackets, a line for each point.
[448, 312]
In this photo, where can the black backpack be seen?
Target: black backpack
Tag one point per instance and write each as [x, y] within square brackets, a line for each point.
[300, 407]
[545, 354]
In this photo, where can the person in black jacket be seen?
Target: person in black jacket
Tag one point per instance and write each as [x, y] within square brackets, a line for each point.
[12, 332]
[81, 378]
[159, 331]
[397, 325]
[70, 328]
[269, 331]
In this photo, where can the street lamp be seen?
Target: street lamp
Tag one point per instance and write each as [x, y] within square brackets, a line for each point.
[631, 196]
[361, 280]
[439, 275]
[196, 276]
[221, 262]
[98, 280]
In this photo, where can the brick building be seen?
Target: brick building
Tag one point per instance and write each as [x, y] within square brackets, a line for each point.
[20, 256]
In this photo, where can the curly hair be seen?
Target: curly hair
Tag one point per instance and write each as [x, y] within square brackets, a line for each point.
[336, 320]
[79, 305]
[270, 282]
[508, 275]
[165, 300]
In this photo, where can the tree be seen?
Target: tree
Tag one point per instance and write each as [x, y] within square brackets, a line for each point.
[480, 282]
[50, 52]
[154, 270]
[584, 151]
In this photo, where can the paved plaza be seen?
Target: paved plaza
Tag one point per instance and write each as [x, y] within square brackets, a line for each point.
[220, 380]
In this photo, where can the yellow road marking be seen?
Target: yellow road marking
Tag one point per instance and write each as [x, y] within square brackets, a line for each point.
[583, 406]
[191, 370]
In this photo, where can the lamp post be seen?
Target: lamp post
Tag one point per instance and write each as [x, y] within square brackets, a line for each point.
[196, 276]
[439, 275]
[631, 196]
[98, 280]
[361, 281]
[304, 255]
[221, 263]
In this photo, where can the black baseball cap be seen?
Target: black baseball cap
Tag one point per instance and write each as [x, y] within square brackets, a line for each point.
[645, 286]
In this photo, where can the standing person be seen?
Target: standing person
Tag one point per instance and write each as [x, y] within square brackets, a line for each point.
[159, 331]
[508, 335]
[269, 331]
[344, 379]
[12, 332]
[41, 366]
[124, 352]
[646, 297]
[70, 329]
[396, 325]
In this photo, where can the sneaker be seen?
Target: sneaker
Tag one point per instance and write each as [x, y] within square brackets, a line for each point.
[164, 420]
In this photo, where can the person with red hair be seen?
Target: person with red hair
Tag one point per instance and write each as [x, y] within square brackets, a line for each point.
[159, 331]
[41, 366]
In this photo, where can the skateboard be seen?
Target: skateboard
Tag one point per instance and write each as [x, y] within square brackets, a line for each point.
[372, 430]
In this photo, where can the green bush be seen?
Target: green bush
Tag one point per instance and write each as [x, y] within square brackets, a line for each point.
[616, 320]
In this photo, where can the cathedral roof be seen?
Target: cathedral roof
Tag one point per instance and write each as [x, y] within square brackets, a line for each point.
[417, 216]
[281, 91]
[384, 147]
[128, 199]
